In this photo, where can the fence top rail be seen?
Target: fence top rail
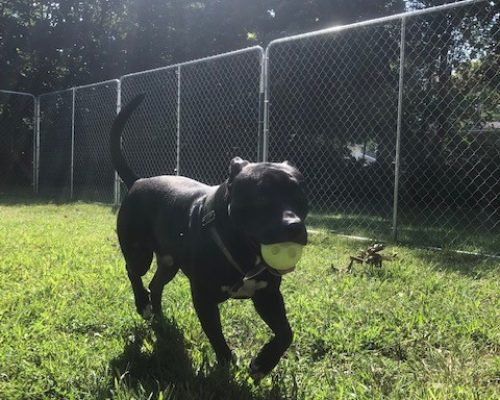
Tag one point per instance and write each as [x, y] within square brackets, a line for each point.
[80, 87]
[89, 85]
[55, 92]
[376, 21]
[197, 61]
[18, 93]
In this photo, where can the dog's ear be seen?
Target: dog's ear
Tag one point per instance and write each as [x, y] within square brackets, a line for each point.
[235, 167]
[296, 173]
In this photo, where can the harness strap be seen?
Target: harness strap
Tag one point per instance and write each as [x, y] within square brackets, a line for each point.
[207, 220]
[218, 241]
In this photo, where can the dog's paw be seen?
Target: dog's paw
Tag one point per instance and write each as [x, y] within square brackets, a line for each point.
[147, 312]
[226, 358]
[255, 371]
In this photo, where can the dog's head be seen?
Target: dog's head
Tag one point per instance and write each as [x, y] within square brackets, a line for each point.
[267, 201]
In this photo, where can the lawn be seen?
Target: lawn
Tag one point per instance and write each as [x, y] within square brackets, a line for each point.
[426, 326]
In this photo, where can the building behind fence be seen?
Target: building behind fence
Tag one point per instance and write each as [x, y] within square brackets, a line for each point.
[394, 122]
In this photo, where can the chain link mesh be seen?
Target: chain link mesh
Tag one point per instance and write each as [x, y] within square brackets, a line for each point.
[16, 141]
[219, 114]
[93, 172]
[196, 128]
[150, 136]
[450, 150]
[333, 112]
[56, 111]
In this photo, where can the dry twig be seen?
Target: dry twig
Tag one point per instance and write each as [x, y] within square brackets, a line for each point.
[371, 256]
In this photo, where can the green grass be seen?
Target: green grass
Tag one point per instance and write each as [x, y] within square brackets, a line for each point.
[426, 326]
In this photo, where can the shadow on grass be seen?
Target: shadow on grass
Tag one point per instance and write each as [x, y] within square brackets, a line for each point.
[446, 231]
[376, 227]
[28, 198]
[152, 358]
[155, 361]
[466, 264]
[484, 248]
[24, 197]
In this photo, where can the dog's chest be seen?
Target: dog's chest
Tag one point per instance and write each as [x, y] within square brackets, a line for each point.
[245, 289]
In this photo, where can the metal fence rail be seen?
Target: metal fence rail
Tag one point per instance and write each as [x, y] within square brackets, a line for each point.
[17, 140]
[395, 123]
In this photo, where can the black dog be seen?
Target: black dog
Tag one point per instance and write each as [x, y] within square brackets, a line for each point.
[213, 233]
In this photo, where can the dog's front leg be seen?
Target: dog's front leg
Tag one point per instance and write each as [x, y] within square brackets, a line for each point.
[271, 308]
[208, 313]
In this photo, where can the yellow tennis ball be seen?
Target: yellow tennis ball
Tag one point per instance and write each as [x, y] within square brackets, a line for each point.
[281, 256]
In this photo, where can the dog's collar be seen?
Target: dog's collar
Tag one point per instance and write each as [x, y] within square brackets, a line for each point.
[208, 221]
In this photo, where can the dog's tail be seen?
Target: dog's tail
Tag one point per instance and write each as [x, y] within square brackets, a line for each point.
[128, 176]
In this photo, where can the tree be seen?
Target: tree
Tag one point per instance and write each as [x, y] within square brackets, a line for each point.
[50, 45]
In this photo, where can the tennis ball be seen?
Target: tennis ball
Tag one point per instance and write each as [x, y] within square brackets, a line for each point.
[281, 256]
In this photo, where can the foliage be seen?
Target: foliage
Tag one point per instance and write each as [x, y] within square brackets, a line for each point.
[49, 45]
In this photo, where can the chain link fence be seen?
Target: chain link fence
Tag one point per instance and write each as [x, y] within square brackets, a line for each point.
[195, 117]
[56, 143]
[450, 138]
[219, 113]
[332, 105]
[93, 172]
[394, 122]
[150, 138]
[74, 160]
[17, 128]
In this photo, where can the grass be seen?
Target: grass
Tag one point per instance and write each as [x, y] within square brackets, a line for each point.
[426, 326]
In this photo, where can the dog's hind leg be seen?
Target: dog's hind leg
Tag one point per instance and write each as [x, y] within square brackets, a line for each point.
[165, 273]
[138, 263]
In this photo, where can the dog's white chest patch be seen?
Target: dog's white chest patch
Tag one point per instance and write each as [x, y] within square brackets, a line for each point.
[246, 290]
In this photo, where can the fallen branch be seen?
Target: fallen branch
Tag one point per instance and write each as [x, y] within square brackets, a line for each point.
[371, 256]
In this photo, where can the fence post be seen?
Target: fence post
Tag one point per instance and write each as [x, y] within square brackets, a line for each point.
[117, 178]
[178, 149]
[265, 107]
[36, 145]
[260, 126]
[72, 167]
[398, 131]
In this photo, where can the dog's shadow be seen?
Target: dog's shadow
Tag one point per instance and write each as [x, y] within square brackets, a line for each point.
[152, 356]
[155, 360]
